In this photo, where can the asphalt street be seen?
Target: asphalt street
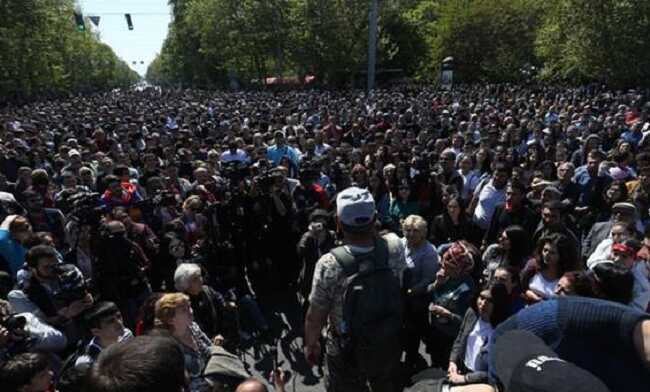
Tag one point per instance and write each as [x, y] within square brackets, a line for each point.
[284, 315]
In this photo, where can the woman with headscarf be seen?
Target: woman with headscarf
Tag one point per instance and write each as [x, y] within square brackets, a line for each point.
[451, 294]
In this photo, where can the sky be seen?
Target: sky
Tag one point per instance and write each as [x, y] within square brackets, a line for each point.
[150, 22]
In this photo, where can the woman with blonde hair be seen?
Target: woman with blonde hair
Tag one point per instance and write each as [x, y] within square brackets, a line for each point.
[422, 264]
[174, 314]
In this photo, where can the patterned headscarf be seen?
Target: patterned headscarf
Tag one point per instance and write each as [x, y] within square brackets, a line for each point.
[457, 261]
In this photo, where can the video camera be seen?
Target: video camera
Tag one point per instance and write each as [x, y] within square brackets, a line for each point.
[72, 285]
[162, 198]
[235, 171]
[86, 208]
[14, 324]
[19, 339]
[264, 181]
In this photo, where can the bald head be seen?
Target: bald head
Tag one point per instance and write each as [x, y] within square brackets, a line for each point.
[115, 227]
[251, 385]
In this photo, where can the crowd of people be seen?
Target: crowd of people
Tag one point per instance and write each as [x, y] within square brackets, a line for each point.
[501, 227]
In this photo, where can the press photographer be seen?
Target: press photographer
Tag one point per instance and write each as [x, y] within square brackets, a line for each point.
[120, 271]
[24, 332]
[55, 293]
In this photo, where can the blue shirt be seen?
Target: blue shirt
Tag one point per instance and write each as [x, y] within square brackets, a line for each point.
[581, 175]
[275, 154]
[422, 264]
[634, 138]
[12, 251]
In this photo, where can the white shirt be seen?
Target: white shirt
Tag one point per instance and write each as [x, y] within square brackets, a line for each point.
[476, 340]
[540, 285]
[601, 254]
[239, 155]
[488, 199]
[320, 149]
[470, 182]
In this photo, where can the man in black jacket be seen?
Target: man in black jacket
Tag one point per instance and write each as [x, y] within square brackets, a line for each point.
[121, 268]
[513, 212]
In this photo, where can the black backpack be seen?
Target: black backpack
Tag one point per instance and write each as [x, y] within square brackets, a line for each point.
[372, 310]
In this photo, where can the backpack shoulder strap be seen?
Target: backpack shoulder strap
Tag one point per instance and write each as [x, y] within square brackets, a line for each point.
[381, 253]
[348, 262]
[345, 260]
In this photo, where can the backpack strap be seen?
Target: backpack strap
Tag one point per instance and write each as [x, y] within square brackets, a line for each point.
[347, 261]
[381, 253]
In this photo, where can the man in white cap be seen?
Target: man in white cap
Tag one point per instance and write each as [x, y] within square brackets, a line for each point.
[352, 285]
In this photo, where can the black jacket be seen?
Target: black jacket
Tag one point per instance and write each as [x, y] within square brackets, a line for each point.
[460, 344]
[501, 219]
[309, 251]
[443, 231]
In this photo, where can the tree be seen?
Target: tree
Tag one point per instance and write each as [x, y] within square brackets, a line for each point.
[489, 39]
[606, 41]
[41, 52]
[210, 40]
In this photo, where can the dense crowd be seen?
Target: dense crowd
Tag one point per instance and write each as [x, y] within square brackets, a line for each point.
[152, 223]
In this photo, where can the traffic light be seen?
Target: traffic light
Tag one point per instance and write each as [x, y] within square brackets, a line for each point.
[95, 20]
[129, 22]
[79, 20]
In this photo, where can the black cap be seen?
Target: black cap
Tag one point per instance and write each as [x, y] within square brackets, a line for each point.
[524, 363]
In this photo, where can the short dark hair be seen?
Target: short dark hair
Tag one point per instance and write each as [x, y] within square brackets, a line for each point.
[35, 254]
[142, 364]
[111, 178]
[518, 186]
[94, 316]
[597, 154]
[121, 170]
[614, 282]
[554, 205]
[19, 370]
[502, 167]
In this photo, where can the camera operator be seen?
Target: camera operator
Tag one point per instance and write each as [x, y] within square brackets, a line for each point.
[164, 201]
[308, 196]
[69, 188]
[23, 332]
[81, 253]
[55, 293]
[45, 219]
[120, 271]
[140, 233]
[282, 237]
[317, 241]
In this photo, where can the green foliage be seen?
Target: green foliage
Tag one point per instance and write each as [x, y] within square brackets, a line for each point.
[489, 39]
[42, 52]
[606, 41]
[212, 39]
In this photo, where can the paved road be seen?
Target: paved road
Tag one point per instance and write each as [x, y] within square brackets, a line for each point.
[284, 315]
